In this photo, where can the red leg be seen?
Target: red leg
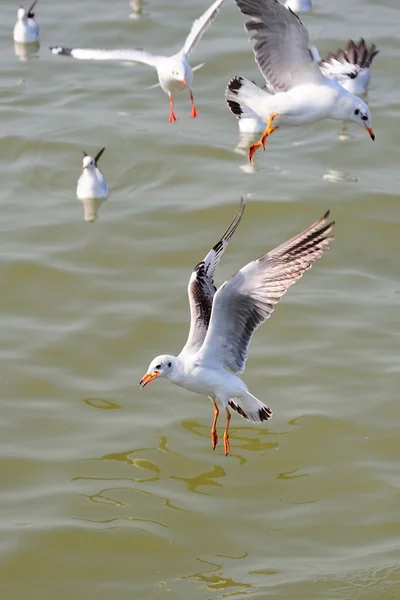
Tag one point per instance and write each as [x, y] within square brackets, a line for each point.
[214, 434]
[268, 130]
[172, 116]
[227, 445]
[194, 112]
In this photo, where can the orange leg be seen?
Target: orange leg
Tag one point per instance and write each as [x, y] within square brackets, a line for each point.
[214, 434]
[194, 112]
[227, 445]
[172, 116]
[267, 131]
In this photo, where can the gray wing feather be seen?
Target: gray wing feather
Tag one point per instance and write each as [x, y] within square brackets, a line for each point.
[201, 288]
[281, 44]
[247, 299]
[200, 26]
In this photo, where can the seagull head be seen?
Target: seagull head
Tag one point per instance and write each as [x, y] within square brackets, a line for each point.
[361, 115]
[21, 13]
[179, 71]
[161, 366]
[88, 162]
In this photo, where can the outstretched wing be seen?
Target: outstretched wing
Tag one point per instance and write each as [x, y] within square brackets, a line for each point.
[352, 63]
[281, 44]
[201, 288]
[30, 12]
[140, 56]
[200, 26]
[248, 298]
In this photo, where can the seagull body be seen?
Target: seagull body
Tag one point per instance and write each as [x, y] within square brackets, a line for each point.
[223, 321]
[91, 183]
[26, 29]
[299, 5]
[297, 92]
[174, 72]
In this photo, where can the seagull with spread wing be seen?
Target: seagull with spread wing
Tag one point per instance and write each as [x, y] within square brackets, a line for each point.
[297, 91]
[223, 321]
[174, 72]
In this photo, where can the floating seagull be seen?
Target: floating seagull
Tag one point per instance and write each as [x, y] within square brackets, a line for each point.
[174, 72]
[91, 183]
[26, 29]
[223, 321]
[298, 5]
[300, 93]
[350, 67]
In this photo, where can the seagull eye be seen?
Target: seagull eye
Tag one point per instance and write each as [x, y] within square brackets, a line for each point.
[158, 366]
[364, 118]
[357, 111]
[170, 364]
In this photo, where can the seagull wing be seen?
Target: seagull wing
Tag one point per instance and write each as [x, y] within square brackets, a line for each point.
[139, 56]
[201, 288]
[246, 300]
[281, 44]
[30, 12]
[200, 26]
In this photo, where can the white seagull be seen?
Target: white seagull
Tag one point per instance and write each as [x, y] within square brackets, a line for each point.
[223, 321]
[300, 93]
[91, 183]
[174, 72]
[299, 5]
[350, 67]
[26, 29]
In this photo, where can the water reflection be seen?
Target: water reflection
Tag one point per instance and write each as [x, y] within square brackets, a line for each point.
[25, 51]
[213, 579]
[202, 479]
[91, 208]
[101, 403]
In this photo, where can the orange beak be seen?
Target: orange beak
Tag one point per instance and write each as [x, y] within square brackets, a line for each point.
[371, 133]
[147, 378]
[184, 81]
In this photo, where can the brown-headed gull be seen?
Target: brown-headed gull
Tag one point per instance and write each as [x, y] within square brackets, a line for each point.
[91, 183]
[174, 72]
[299, 92]
[223, 321]
[26, 29]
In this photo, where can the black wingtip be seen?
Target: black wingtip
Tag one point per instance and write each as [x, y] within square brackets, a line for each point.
[61, 50]
[235, 84]
[100, 152]
[235, 108]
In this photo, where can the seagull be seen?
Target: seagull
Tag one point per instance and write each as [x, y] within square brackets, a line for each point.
[91, 183]
[300, 93]
[26, 29]
[174, 72]
[223, 321]
[298, 5]
[350, 67]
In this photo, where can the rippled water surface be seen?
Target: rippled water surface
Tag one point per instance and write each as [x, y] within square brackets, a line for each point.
[109, 492]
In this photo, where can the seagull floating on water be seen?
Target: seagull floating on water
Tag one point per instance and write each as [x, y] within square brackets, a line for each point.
[26, 29]
[300, 93]
[223, 321]
[91, 183]
[174, 72]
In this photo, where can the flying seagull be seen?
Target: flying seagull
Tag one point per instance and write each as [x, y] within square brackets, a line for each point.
[223, 321]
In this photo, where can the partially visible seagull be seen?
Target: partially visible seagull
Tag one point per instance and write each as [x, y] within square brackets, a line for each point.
[26, 29]
[223, 321]
[300, 93]
[298, 5]
[350, 67]
[91, 183]
[174, 72]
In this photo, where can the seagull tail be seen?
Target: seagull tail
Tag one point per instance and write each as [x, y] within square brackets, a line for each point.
[239, 94]
[250, 408]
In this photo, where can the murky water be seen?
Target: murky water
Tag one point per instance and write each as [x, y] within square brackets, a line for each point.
[108, 492]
